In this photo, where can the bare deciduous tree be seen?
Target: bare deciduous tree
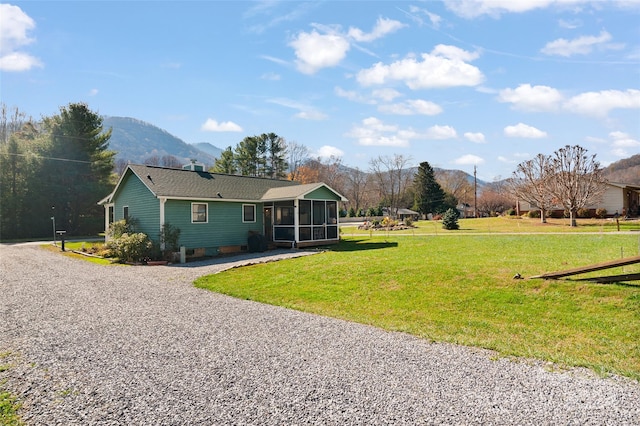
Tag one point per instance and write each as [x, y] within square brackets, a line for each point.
[298, 156]
[492, 202]
[120, 166]
[356, 188]
[576, 179]
[456, 183]
[569, 178]
[393, 178]
[530, 183]
[11, 121]
[171, 162]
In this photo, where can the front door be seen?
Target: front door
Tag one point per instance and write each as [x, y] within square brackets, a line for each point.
[268, 223]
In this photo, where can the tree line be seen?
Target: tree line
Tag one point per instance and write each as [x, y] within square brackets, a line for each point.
[59, 167]
[53, 171]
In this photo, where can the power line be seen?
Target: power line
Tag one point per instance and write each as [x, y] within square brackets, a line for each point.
[50, 158]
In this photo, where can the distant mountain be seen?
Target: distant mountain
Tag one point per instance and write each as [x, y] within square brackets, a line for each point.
[137, 141]
[209, 149]
[624, 171]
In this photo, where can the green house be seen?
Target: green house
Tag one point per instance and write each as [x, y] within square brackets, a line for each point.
[216, 213]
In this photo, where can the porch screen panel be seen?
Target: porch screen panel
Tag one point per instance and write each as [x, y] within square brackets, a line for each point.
[319, 220]
[283, 228]
[332, 220]
[304, 220]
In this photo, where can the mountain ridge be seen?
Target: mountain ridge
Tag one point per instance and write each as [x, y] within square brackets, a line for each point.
[137, 141]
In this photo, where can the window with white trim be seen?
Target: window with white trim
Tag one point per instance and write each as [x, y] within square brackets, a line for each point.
[199, 212]
[248, 213]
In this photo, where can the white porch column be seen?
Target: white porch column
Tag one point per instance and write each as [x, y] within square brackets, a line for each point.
[107, 221]
[162, 220]
[296, 220]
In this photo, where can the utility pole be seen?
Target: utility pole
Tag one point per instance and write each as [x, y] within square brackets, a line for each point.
[475, 192]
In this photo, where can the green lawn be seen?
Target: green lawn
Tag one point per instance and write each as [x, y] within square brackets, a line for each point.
[69, 246]
[508, 224]
[460, 289]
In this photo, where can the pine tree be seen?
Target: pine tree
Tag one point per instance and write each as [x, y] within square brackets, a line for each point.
[226, 163]
[78, 166]
[450, 220]
[429, 196]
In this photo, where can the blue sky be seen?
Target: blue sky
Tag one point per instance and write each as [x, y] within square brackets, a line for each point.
[456, 83]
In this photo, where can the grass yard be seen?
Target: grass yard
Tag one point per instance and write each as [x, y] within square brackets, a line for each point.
[460, 289]
[78, 246]
[508, 224]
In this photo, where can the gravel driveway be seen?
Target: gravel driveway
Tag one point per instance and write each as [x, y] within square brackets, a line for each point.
[118, 345]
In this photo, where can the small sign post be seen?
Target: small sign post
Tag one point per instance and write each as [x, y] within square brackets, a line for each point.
[61, 233]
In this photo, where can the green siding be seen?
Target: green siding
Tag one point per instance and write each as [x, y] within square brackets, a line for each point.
[322, 193]
[143, 206]
[224, 225]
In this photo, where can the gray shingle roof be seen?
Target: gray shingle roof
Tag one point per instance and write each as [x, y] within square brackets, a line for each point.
[174, 183]
[289, 192]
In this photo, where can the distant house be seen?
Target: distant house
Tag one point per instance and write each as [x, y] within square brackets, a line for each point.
[216, 213]
[402, 213]
[618, 197]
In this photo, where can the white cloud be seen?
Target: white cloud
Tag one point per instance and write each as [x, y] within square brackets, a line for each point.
[505, 160]
[93, 92]
[579, 46]
[521, 130]
[474, 8]
[623, 145]
[622, 140]
[315, 51]
[387, 95]
[212, 125]
[440, 132]
[468, 160]
[383, 27]
[18, 61]
[411, 107]
[475, 137]
[305, 112]
[599, 104]
[373, 132]
[14, 28]
[570, 25]
[414, 14]
[445, 66]
[543, 98]
[352, 95]
[311, 115]
[532, 98]
[271, 76]
[454, 53]
[328, 151]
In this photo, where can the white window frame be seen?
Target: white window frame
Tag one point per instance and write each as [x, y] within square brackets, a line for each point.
[206, 213]
[254, 213]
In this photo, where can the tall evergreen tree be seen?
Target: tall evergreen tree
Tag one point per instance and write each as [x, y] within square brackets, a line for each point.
[276, 151]
[249, 155]
[429, 196]
[226, 163]
[78, 166]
